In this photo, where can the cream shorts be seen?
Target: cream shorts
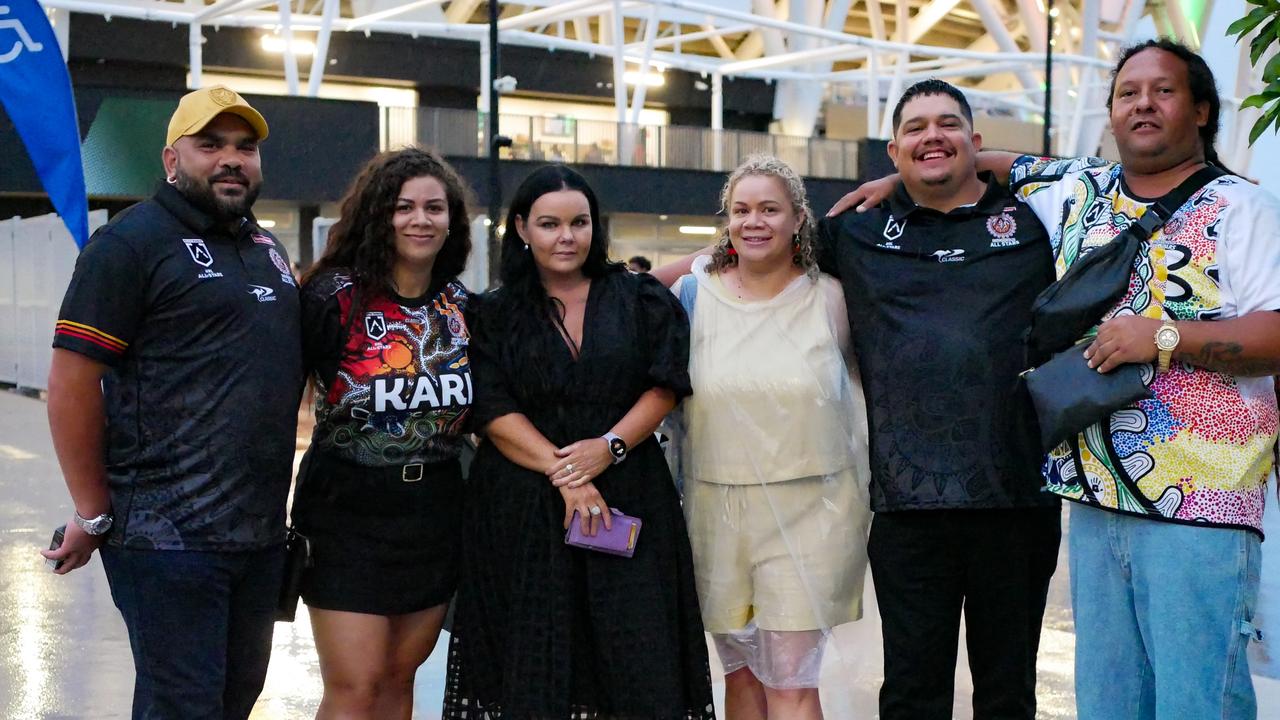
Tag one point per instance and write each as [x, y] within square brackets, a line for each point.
[789, 555]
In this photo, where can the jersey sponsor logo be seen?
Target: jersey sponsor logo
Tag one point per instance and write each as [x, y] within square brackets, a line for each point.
[945, 256]
[263, 293]
[892, 231]
[375, 325]
[1002, 228]
[278, 260]
[450, 390]
[199, 251]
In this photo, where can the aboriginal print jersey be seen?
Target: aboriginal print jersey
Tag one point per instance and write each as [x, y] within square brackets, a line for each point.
[393, 385]
[1200, 449]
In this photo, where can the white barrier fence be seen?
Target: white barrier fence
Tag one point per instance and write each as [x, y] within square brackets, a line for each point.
[37, 256]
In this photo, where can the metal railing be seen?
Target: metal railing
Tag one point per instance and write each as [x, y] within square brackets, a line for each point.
[562, 139]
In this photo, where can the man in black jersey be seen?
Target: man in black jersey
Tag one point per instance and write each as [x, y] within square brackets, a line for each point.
[173, 401]
[939, 282]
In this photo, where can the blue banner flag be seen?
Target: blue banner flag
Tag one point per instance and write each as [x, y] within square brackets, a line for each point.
[36, 92]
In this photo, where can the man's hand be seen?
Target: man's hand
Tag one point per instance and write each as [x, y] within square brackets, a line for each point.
[580, 462]
[1125, 339]
[76, 550]
[866, 196]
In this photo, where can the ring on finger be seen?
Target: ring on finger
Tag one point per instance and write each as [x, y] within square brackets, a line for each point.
[595, 511]
[569, 468]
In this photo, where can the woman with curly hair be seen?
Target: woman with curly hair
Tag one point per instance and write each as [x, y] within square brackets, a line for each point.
[576, 361]
[380, 489]
[774, 448]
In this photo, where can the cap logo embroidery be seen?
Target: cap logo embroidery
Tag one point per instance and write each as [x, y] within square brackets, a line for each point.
[222, 96]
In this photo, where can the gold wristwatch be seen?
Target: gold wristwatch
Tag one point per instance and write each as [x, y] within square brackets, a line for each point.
[1167, 338]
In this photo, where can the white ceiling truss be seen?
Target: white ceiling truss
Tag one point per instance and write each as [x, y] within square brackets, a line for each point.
[860, 52]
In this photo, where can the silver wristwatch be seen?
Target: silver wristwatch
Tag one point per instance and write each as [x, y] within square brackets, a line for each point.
[617, 447]
[94, 526]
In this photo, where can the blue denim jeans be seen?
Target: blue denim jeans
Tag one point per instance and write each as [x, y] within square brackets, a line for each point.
[199, 625]
[1162, 615]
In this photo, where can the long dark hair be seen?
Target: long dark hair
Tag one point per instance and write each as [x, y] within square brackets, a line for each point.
[363, 240]
[522, 303]
[1199, 78]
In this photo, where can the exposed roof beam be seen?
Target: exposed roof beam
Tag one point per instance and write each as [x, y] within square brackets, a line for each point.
[717, 42]
[928, 16]
[373, 17]
[460, 11]
[559, 11]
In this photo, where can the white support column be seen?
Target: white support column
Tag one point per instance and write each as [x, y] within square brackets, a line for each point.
[321, 59]
[195, 40]
[290, 59]
[995, 24]
[582, 29]
[650, 34]
[900, 69]
[1088, 76]
[485, 86]
[617, 33]
[717, 120]
[61, 22]
[873, 92]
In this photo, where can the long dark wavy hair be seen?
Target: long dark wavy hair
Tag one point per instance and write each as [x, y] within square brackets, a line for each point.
[522, 303]
[1199, 78]
[363, 239]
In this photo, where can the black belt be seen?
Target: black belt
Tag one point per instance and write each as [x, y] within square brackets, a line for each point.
[409, 472]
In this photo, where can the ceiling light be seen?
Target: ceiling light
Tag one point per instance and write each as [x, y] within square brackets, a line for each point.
[268, 224]
[698, 230]
[652, 79]
[276, 44]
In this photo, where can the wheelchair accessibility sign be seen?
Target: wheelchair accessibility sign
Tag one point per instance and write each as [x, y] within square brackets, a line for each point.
[24, 41]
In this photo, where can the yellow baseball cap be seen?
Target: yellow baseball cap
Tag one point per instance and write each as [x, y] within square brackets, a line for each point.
[198, 107]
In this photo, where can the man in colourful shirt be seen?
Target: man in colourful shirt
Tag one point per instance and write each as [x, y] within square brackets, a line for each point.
[1165, 537]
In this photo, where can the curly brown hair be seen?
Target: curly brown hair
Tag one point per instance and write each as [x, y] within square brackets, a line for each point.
[363, 240]
[769, 166]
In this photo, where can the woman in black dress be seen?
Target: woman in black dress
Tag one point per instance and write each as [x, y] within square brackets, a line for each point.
[380, 489]
[575, 362]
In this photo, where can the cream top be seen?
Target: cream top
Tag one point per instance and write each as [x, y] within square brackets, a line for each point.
[773, 396]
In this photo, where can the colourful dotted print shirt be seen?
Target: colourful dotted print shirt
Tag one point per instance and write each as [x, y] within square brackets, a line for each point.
[1200, 449]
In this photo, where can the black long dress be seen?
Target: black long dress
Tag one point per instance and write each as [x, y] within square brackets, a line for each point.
[543, 630]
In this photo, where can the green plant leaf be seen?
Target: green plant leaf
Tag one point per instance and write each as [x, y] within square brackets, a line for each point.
[1263, 41]
[1272, 70]
[1254, 101]
[1271, 118]
[1248, 22]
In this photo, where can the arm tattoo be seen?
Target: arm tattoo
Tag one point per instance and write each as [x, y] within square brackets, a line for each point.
[1227, 357]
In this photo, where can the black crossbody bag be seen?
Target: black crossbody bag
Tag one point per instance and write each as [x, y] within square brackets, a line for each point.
[1068, 395]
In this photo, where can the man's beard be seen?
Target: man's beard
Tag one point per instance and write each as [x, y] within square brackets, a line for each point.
[200, 193]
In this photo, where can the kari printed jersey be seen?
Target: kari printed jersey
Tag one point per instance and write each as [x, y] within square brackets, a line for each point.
[1200, 449]
[392, 377]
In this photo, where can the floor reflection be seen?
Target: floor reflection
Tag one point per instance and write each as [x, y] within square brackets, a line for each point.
[64, 654]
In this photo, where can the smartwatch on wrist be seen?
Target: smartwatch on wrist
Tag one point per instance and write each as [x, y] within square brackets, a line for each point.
[617, 447]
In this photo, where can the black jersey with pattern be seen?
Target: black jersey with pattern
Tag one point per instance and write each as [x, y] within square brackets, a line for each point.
[393, 385]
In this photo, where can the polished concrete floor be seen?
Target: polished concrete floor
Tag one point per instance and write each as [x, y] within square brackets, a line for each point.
[64, 653]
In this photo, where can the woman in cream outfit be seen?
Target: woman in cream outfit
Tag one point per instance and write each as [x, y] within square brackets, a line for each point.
[774, 451]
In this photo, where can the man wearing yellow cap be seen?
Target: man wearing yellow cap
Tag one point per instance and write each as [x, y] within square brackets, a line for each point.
[173, 400]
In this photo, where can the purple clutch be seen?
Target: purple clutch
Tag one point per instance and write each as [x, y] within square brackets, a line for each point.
[621, 540]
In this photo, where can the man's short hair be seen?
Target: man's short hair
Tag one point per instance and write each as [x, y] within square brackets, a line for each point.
[925, 88]
[642, 262]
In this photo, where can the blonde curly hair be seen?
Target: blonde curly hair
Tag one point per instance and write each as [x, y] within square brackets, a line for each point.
[769, 166]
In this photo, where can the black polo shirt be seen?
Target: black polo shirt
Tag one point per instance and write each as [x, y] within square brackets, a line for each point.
[200, 327]
[938, 303]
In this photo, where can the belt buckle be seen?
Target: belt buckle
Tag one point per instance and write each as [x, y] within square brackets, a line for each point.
[411, 473]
